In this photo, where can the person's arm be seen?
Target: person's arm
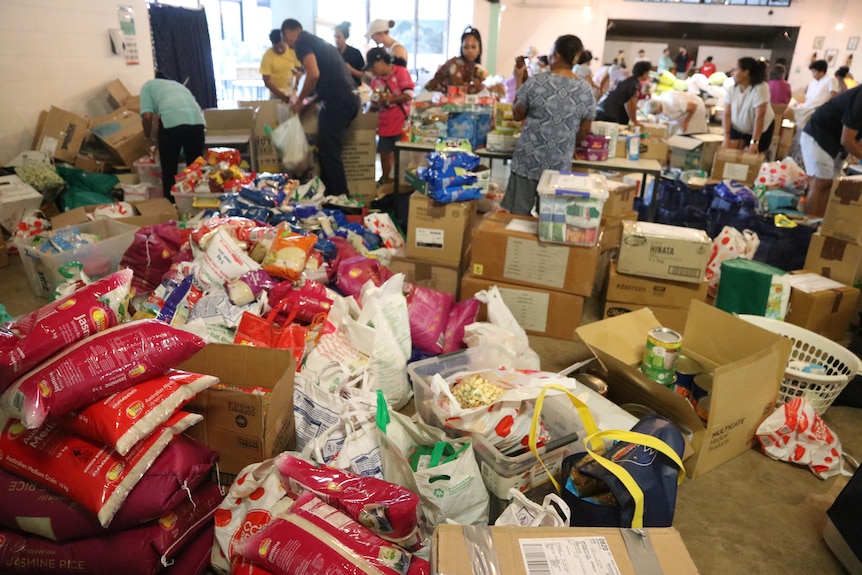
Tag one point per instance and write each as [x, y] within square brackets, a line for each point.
[584, 130]
[690, 110]
[312, 76]
[726, 124]
[849, 142]
[147, 120]
[759, 117]
[267, 81]
[632, 110]
[521, 74]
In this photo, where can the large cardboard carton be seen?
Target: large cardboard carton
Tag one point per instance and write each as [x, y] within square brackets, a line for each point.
[244, 426]
[648, 291]
[843, 219]
[17, 198]
[446, 279]
[539, 311]
[821, 305]
[588, 550]
[61, 134]
[439, 232]
[664, 252]
[120, 97]
[229, 127]
[736, 165]
[506, 248]
[652, 147]
[147, 213]
[672, 317]
[834, 258]
[747, 364]
[612, 229]
[89, 163]
[621, 197]
[359, 154]
[694, 152]
[123, 134]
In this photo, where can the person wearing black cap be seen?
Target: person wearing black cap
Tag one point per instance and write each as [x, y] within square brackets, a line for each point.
[326, 75]
[392, 91]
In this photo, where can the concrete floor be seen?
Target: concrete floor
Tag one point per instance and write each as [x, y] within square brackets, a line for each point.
[751, 515]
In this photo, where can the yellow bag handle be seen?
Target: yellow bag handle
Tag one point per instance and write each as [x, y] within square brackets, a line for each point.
[620, 472]
[586, 417]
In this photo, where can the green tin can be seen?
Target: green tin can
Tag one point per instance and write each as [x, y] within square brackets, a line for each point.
[662, 350]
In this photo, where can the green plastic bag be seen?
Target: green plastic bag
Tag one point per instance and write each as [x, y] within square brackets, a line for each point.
[86, 188]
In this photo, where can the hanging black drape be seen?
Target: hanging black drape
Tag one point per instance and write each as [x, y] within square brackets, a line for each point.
[181, 49]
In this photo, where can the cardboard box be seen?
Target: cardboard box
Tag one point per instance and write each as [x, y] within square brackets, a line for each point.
[651, 148]
[88, 163]
[821, 305]
[506, 248]
[244, 427]
[4, 253]
[123, 134]
[672, 317]
[843, 219]
[17, 198]
[612, 230]
[539, 311]
[747, 363]
[61, 134]
[230, 128]
[446, 279]
[736, 165]
[834, 258]
[621, 197]
[785, 138]
[118, 94]
[148, 213]
[592, 545]
[694, 152]
[359, 155]
[652, 292]
[439, 232]
[264, 156]
[664, 252]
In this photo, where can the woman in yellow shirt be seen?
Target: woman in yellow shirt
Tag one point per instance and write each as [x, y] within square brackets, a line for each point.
[277, 67]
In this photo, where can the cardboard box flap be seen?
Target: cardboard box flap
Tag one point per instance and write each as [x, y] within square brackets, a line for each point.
[267, 365]
[684, 142]
[118, 93]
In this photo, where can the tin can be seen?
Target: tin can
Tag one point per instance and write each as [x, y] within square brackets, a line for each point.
[686, 370]
[594, 382]
[662, 349]
[700, 394]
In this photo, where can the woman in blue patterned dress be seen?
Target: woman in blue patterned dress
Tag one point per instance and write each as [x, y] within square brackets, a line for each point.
[558, 109]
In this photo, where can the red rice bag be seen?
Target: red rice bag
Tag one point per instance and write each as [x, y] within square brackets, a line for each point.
[428, 311]
[288, 253]
[462, 314]
[194, 558]
[151, 254]
[354, 272]
[345, 252]
[312, 533]
[96, 367]
[144, 550]
[38, 335]
[87, 472]
[312, 298]
[419, 566]
[389, 510]
[126, 417]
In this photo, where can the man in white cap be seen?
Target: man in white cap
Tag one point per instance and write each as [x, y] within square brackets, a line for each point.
[378, 32]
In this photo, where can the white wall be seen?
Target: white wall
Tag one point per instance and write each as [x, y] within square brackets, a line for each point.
[57, 52]
[652, 51]
[538, 22]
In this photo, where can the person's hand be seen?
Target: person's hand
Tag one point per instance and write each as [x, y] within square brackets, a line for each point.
[753, 149]
[296, 105]
[726, 142]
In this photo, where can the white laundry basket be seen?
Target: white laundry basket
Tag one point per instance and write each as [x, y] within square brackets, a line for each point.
[819, 390]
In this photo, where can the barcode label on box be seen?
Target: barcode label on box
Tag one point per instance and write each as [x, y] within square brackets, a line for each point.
[568, 556]
[684, 272]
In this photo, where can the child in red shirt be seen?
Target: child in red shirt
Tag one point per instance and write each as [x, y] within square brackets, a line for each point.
[392, 91]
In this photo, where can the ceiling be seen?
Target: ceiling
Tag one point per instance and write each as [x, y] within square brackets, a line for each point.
[695, 32]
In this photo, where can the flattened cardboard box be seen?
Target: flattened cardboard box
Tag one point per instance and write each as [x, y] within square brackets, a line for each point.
[648, 291]
[516, 256]
[827, 312]
[61, 134]
[450, 554]
[540, 312]
[244, 426]
[747, 363]
[432, 275]
[843, 219]
[834, 258]
[438, 232]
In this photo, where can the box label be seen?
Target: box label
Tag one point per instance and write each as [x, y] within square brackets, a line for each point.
[735, 171]
[530, 308]
[49, 144]
[568, 556]
[430, 238]
[527, 261]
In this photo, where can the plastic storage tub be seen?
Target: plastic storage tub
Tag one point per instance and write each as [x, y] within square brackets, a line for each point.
[191, 204]
[570, 207]
[522, 470]
[99, 259]
[149, 172]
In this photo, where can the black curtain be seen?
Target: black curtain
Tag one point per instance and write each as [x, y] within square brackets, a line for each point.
[181, 50]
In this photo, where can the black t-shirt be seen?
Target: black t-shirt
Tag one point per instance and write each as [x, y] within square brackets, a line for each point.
[335, 84]
[612, 107]
[354, 57]
[828, 120]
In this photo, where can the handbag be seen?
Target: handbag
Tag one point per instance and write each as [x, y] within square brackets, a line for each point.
[257, 331]
[631, 484]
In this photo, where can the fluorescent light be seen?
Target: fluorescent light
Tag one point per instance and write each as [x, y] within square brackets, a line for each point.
[839, 26]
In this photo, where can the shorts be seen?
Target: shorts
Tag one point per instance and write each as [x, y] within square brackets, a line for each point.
[386, 144]
[818, 162]
[520, 195]
[765, 137]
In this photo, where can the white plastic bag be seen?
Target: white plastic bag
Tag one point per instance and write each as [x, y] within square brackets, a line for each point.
[500, 316]
[290, 139]
[352, 444]
[522, 512]
[728, 245]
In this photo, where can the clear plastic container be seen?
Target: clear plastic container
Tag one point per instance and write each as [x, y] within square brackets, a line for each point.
[149, 172]
[570, 207]
[191, 204]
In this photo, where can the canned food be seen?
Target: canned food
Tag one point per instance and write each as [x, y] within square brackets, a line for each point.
[686, 370]
[662, 349]
[702, 408]
[594, 382]
[700, 394]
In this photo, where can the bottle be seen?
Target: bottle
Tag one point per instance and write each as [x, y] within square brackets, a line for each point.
[633, 145]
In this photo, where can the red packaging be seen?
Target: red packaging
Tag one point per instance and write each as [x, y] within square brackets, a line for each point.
[96, 367]
[312, 534]
[215, 156]
[144, 550]
[312, 298]
[389, 510]
[428, 311]
[87, 472]
[151, 254]
[194, 558]
[462, 314]
[354, 272]
[419, 566]
[126, 417]
[40, 334]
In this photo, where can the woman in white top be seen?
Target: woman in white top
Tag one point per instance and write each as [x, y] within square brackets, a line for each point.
[748, 118]
[378, 32]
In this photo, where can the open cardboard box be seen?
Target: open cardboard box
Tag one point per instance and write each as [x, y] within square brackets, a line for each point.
[149, 212]
[748, 364]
